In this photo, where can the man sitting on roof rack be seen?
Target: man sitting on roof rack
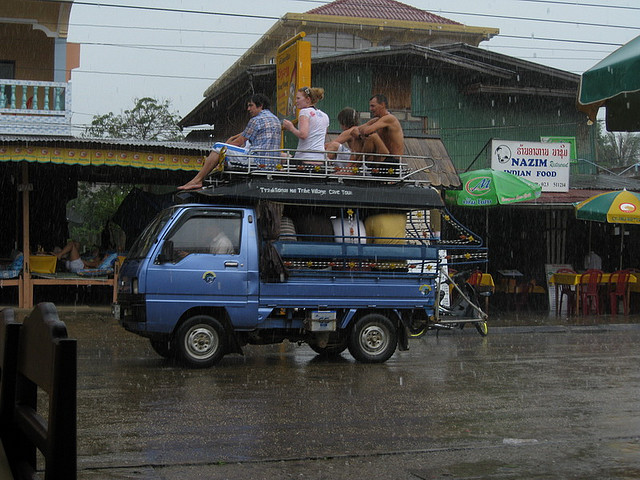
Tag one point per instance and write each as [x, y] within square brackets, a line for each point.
[385, 124]
[262, 131]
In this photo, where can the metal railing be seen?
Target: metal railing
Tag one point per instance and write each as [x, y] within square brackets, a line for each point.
[369, 167]
[35, 107]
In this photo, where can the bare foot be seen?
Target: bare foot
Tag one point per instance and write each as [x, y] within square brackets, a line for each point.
[190, 186]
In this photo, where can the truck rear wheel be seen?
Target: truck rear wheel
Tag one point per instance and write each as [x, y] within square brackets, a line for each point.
[373, 339]
[200, 342]
[333, 349]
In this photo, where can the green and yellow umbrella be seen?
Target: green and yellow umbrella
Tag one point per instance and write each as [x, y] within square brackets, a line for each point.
[620, 206]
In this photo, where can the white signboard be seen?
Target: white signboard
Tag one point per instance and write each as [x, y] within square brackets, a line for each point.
[546, 164]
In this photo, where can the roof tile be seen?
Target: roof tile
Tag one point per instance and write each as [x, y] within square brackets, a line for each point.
[382, 9]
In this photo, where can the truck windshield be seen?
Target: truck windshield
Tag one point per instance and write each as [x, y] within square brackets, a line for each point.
[149, 236]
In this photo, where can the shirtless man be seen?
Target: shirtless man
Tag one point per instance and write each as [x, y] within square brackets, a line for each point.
[386, 125]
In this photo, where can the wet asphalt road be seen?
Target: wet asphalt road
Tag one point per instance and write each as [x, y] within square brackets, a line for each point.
[520, 403]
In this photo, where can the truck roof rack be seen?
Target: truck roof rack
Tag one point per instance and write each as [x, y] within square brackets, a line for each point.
[374, 168]
[277, 176]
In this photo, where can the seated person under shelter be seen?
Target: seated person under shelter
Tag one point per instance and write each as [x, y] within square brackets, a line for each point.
[592, 261]
[219, 243]
[73, 261]
[215, 234]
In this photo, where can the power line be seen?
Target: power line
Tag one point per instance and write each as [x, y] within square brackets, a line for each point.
[269, 17]
[176, 10]
[563, 40]
[573, 4]
[146, 75]
[178, 48]
[228, 51]
[167, 48]
[560, 49]
[543, 20]
[167, 29]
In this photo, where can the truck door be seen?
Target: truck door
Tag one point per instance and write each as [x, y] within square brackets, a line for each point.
[205, 264]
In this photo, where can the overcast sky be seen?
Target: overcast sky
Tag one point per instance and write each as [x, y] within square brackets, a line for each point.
[175, 55]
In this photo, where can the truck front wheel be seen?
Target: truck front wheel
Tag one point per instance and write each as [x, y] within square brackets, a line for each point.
[373, 339]
[201, 341]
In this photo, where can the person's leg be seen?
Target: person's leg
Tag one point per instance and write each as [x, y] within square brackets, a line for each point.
[209, 164]
[74, 252]
[331, 147]
[70, 248]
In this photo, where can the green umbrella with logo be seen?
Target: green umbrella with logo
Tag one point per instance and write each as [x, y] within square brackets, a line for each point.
[487, 187]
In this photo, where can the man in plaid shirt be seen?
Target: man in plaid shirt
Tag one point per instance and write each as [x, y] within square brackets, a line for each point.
[263, 133]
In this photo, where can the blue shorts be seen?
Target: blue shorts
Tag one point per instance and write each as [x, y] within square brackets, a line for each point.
[240, 156]
[235, 155]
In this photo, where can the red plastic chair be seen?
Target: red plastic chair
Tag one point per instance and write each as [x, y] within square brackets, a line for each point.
[589, 295]
[619, 282]
[566, 290]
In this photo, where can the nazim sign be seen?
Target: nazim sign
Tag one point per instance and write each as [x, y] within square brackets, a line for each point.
[546, 164]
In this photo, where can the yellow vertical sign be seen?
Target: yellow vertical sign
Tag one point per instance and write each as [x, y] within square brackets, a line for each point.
[293, 71]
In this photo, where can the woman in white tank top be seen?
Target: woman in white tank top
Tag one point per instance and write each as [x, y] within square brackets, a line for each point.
[312, 126]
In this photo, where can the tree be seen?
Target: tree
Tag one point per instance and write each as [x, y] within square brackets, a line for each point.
[92, 209]
[619, 149]
[149, 119]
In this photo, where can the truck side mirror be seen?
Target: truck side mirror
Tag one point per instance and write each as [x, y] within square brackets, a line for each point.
[166, 255]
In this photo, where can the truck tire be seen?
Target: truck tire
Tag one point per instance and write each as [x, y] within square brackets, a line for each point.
[200, 341]
[162, 348]
[373, 339]
[332, 350]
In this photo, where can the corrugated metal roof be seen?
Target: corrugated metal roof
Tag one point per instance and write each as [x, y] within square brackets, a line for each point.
[102, 142]
[582, 187]
[383, 9]
[604, 182]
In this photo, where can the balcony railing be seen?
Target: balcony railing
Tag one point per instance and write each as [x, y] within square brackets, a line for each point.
[35, 108]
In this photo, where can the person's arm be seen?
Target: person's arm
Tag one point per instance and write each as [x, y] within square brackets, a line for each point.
[302, 131]
[375, 124]
[94, 262]
[238, 140]
[346, 135]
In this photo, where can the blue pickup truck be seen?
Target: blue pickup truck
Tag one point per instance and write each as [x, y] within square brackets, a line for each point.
[254, 261]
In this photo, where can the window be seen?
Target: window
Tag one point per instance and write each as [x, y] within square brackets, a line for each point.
[219, 235]
[7, 69]
[328, 42]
